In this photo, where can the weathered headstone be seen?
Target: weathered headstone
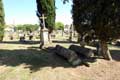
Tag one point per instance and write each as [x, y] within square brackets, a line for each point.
[66, 29]
[30, 35]
[53, 35]
[70, 55]
[21, 36]
[88, 53]
[44, 33]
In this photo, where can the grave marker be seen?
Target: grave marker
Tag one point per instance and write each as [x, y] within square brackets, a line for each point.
[44, 32]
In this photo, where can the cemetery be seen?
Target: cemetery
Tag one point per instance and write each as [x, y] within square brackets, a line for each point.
[85, 49]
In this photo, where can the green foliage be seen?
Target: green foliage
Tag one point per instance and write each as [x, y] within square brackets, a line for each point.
[47, 7]
[27, 27]
[102, 16]
[59, 26]
[2, 22]
[1, 33]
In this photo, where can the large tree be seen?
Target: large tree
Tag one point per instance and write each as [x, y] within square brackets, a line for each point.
[102, 16]
[2, 23]
[47, 7]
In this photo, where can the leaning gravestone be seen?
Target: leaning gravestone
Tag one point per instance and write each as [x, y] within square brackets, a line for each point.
[70, 55]
[88, 53]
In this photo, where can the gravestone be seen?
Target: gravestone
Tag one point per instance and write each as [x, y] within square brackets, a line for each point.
[70, 55]
[21, 37]
[9, 32]
[53, 35]
[30, 34]
[44, 33]
[85, 52]
[66, 29]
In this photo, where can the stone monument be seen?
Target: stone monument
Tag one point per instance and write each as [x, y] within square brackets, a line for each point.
[43, 32]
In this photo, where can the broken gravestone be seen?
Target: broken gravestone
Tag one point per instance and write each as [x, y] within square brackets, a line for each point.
[88, 53]
[70, 55]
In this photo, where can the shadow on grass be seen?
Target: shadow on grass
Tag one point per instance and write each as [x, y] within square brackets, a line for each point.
[115, 54]
[36, 59]
[18, 42]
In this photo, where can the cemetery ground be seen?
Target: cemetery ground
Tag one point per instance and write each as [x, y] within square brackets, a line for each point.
[27, 62]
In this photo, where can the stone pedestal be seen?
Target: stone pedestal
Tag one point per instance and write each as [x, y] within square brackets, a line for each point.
[44, 38]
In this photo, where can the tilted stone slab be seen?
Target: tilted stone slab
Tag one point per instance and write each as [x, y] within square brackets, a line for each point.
[70, 55]
[88, 53]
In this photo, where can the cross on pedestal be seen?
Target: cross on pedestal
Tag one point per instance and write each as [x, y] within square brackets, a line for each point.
[43, 19]
[44, 33]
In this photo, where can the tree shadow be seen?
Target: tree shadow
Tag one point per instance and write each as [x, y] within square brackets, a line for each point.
[18, 42]
[58, 41]
[115, 54]
[33, 58]
[36, 59]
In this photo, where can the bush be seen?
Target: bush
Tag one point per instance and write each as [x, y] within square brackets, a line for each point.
[1, 33]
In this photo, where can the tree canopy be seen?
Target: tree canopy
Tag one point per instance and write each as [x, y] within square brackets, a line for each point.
[59, 25]
[47, 7]
[102, 16]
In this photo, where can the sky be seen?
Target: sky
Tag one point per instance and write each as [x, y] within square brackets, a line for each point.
[24, 12]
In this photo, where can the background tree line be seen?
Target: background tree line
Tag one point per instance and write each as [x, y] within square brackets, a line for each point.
[34, 27]
[27, 27]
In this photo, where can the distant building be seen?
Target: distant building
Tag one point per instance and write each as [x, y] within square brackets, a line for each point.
[10, 28]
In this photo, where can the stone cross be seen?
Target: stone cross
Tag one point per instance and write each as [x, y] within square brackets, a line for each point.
[43, 19]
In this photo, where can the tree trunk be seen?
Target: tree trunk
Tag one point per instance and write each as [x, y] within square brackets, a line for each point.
[98, 49]
[105, 51]
[82, 40]
[41, 39]
[49, 37]
[1, 38]
[74, 34]
[62, 33]
[79, 38]
[70, 37]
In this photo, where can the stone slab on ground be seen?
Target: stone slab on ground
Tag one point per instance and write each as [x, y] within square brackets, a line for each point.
[82, 51]
[70, 55]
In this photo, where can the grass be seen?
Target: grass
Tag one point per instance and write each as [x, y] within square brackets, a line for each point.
[27, 62]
